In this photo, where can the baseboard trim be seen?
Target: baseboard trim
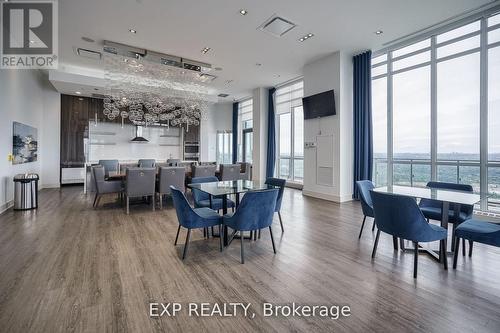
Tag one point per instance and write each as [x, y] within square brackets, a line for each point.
[50, 186]
[329, 197]
[6, 206]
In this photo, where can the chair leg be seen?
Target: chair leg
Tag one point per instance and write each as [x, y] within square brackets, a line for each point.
[373, 225]
[470, 248]
[455, 254]
[281, 221]
[161, 201]
[153, 202]
[453, 239]
[259, 234]
[186, 245]
[242, 251]
[362, 226]
[443, 254]
[415, 260]
[375, 244]
[98, 201]
[204, 232]
[395, 242]
[95, 200]
[221, 245]
[177, 236]
[272, 239]
[128, 205]
[212, 231]
[402, 244]
[255, 235]
[463, 247]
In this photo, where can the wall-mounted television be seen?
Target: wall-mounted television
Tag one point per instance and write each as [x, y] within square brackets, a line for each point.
[319, 105]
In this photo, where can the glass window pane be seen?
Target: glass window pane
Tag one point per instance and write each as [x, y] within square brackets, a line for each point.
[411, 48]
[285, 127]
[447, 173]
[460, 46]
[379, 117]
[455, 33]
[494, 104]
[412, 61]
[379, 70]
[402, 174]
[380, 173]
[421, 174]
[469, 175]
[298, 132]
[458, 108]
[494, 36]
[298, 169]
[494, 188]
[412, 114]
[379, 59]
[284, 168]
[494, 20]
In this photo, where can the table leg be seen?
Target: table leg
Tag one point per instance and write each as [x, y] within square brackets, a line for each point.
[224, 211]
[444, 224]
[237, 200]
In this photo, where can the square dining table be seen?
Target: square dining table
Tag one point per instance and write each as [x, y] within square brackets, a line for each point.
[223, 189]
[446, 197]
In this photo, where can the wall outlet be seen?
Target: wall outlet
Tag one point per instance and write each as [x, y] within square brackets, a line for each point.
[10, 157]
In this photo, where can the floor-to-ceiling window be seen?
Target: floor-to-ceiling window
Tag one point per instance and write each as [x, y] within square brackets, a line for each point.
[436, 110]
[245, 130]
[224, 152]
[290, 132]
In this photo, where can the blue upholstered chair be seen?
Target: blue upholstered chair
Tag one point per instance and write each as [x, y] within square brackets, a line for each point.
[146, 163]
[190, 218]
[476, 231]
[364, 187]
[400, 217]
[281, 184]
[202, 199]
[255, 212]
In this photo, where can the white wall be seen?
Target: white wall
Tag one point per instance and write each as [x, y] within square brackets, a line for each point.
[331, 72]
[219, 118]
[26, 96]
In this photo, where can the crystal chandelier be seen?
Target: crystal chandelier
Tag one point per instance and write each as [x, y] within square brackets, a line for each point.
[148, 93]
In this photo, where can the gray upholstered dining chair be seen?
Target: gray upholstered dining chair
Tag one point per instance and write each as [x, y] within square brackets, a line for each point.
[203, 171]
[173, 161]
[170, 176]
[109, 166]
[245, 171]
[146, 163]
[229, 172]
[103, 186]
[140, 182]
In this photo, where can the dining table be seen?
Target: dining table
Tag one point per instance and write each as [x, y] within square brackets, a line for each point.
[444, 196]
[223, 189]
[113, 175]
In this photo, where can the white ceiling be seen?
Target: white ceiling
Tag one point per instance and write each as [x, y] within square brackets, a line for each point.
[185, 27]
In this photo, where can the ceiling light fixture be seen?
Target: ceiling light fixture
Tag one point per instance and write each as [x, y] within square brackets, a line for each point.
[132, 31]
[205, 50]
[258, 64]
[379, 32]
[309, 35]
[78, 92]
[243, 12]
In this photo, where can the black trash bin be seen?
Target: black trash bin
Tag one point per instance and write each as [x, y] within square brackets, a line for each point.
[26, 191]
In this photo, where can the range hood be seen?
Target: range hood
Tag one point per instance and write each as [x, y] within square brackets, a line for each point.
[138, 136]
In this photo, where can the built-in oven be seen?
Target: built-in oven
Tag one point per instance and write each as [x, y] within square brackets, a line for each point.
[191, 151]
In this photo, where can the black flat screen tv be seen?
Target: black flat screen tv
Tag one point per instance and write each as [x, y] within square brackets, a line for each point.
[319, 105]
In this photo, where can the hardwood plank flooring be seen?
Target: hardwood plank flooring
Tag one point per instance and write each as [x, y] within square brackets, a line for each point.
[69, 268]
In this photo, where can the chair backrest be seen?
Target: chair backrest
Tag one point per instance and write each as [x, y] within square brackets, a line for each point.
[400, 216]
[183, 210]
[173, 161]
[468, 209]
[109, 165]
[207, 163]
[278, 182]
[199, 195]
[364, 187]
[230, 171]
[140, 182]
[186, 165]
[256, 210]
[204, 170]
[146, 163]
[171, 176]
[245, 171]
[98, 173]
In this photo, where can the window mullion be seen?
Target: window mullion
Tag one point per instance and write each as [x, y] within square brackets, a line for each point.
[434, 115]
[390, 146]
[483, 115]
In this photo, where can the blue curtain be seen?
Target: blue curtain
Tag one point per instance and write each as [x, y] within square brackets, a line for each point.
[363, 131]
[235, 132]
[271, 135]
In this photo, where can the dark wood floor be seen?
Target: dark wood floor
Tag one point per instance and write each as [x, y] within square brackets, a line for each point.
[67, 267]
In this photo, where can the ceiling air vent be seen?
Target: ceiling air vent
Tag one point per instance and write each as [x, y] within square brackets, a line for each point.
[223, 95]
[88, 53]
[277, 26]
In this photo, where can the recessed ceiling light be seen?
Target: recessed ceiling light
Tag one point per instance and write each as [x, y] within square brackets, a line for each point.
[379, 32]
[228, 82]
[303, 38]
[78, 92]
[258, 64]
[32, 42]
[243, 12]
[205, 50]
[132, 31]
[88, 39]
